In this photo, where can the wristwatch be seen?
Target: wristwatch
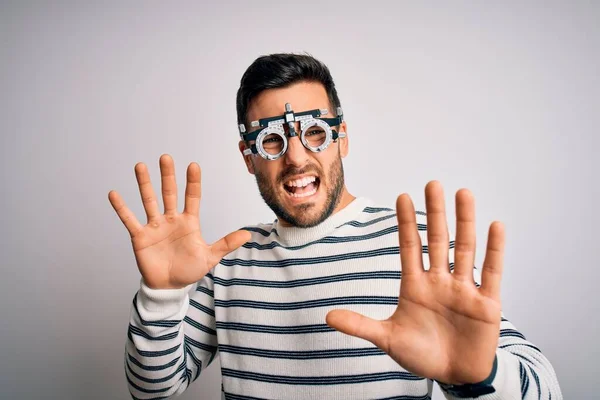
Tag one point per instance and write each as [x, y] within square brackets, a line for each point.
[472, 389]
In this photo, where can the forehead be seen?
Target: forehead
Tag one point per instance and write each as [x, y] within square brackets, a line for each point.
[303, 96]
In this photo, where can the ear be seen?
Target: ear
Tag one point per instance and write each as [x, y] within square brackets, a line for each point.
[343, 142]
[242, 146]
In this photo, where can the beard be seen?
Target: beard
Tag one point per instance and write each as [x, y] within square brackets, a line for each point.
[334, 184]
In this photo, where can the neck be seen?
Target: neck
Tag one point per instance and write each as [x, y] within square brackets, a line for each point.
[345, 199]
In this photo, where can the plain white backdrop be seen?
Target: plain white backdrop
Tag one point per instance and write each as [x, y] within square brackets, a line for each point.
[499, 98]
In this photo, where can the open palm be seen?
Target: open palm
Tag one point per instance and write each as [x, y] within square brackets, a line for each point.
[444, 328]
[169, 249]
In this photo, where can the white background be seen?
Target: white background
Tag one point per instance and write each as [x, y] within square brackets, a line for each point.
[500, 98]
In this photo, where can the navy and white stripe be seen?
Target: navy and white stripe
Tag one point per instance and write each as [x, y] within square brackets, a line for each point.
[262, 311]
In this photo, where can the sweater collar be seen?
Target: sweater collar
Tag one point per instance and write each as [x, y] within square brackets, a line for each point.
[294, 236]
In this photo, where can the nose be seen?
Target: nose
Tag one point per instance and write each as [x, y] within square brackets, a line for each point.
[296, 154]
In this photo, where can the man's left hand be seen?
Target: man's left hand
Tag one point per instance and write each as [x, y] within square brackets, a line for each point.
[444, 328]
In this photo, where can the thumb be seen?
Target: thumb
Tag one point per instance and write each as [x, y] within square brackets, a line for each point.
[227, 244]
[355, 324]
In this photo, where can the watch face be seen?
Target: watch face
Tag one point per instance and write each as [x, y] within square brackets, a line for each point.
[473, 390]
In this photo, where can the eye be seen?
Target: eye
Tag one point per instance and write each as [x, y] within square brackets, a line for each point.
[272, 139]
[313, 132]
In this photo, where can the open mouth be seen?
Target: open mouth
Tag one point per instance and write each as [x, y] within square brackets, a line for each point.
[302, 187]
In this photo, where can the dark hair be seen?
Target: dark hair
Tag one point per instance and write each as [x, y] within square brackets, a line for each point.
[280, 70]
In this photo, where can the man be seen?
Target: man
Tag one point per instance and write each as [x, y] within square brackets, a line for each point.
[308, 307]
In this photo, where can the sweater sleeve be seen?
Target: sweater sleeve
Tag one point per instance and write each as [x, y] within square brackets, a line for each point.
[523, 372]
[171, 339]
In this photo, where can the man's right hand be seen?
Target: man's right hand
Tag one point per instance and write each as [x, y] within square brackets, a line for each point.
[169, 249]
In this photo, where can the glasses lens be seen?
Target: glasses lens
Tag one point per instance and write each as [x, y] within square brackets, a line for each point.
[315, 136]
[272, 144]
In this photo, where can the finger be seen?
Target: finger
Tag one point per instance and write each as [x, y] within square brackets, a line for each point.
[227, 244]
[127, 217]
[355, 324]
[193, 190]
[410, 242]
[168, 183]
[464, 246]
[146, 191]
[493, 264]
[438, 242]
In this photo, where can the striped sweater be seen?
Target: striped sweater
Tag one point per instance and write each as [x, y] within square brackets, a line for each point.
[262, 311]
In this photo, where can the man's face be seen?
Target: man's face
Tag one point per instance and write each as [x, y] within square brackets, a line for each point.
[302, 188]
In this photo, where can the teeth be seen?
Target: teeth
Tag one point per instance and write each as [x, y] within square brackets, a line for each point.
[302, 182]
[304, 194]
